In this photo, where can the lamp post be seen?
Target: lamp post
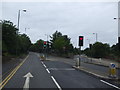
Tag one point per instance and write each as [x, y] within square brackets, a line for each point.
[19, 17]
[88, 40]
[18, 28]
[26, 29]
[96, 36]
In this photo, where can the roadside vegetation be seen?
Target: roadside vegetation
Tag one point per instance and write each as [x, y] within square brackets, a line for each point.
[14, 44]
[100, 50]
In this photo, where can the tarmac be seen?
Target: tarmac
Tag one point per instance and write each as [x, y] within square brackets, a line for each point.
[99, 62]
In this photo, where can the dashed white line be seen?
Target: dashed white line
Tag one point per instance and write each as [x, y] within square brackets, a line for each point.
[44, 65]
[109, 84]
[48, 71]
[42, 62]
[56, 83]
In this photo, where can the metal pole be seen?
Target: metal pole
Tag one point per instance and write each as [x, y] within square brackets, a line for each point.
[79, 56]
[17, 31]
[96, 37]
[18, 18]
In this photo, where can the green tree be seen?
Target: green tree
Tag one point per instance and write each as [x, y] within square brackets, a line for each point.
[13, 43]
[9, 36]
[100, 50]
[38, 46]
[61, 44]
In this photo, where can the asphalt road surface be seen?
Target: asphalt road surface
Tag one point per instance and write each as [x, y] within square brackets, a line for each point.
[50, 74]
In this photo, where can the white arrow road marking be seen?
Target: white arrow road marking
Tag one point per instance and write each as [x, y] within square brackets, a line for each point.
[27, 81]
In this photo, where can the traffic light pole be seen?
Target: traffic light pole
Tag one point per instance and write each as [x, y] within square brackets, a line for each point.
[79, 55]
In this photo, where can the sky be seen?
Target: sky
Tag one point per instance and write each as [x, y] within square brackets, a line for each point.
[70, 18]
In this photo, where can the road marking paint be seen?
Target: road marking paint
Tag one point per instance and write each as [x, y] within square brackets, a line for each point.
[109, 84]
[27, 81]
[61, 69]
[56, 83]
[48, 71]
[3, 83]
[44, 65]
[8, 76]
[42, 62]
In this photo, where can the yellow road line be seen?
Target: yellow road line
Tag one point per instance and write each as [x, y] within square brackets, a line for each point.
[8, 76]
[12, 73]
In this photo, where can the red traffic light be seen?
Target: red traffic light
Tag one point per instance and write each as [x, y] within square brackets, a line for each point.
[45, 42]
[81, 38]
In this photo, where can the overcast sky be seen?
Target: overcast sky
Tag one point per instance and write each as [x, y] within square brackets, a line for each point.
[70, 18]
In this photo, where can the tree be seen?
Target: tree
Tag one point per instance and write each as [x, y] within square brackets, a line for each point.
[61, 44]
[115, 50]
[13, 43]
[9, 36]
[38, 46]
[100, 50]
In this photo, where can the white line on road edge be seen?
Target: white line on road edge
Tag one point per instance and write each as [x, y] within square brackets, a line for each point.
[109, 84]
[48, 71]
[56, 83]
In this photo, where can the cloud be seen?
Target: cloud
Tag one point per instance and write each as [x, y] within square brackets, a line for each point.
[70, 18]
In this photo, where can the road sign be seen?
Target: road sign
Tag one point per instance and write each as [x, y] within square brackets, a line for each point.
[113, 65]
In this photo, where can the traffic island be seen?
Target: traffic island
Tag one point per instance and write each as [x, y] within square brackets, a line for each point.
[95, 73]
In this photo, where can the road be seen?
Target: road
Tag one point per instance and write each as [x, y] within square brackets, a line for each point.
[51, 74]
[97, 68]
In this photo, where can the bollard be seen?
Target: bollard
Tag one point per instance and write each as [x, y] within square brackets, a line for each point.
[112, 70]
[43, 57]
[77, 62]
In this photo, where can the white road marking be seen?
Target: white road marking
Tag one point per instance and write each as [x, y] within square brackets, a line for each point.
[42, 62]
[61, 69]
[109, 84]
[44, 65]
[48, 71]
[56, 83]
[27, 81]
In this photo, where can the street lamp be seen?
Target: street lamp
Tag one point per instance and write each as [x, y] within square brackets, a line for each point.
[18, 28]
[19, 16]
[26, 29]
[118, 28]
[96, 36]
[88, 40]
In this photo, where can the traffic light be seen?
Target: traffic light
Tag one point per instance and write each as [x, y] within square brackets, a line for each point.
[80, 40]
[45, 43]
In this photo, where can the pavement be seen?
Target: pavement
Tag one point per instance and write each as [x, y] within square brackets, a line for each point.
[52, 74]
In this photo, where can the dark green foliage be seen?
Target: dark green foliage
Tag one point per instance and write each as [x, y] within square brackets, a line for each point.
[98, 50]
[37, 47]
[12, 42]
[61, 44]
